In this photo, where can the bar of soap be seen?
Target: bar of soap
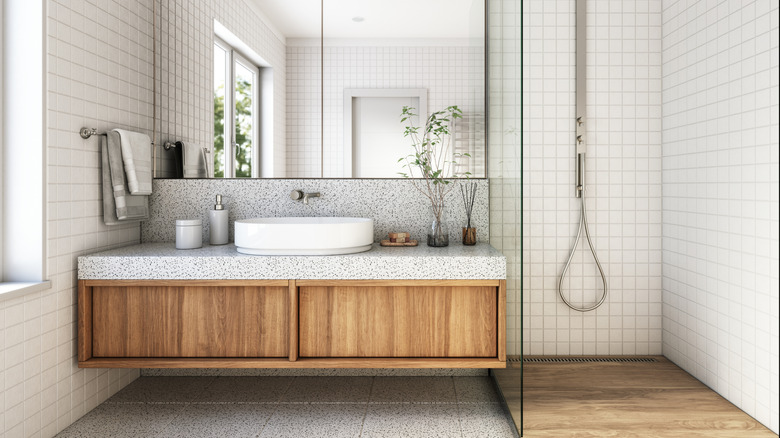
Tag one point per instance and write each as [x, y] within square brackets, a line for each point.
[397, 235]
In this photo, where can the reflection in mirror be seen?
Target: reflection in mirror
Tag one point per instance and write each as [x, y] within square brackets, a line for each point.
[371, 126]
[235, 113]
[437, 47]
[247, 85]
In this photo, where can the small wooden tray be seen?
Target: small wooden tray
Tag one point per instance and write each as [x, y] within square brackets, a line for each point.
[389, 243]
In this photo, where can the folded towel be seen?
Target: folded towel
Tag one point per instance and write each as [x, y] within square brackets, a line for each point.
[195, 163]
[137, 158]
[118, 205]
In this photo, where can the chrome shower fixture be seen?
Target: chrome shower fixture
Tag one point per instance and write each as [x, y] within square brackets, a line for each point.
[580, 150]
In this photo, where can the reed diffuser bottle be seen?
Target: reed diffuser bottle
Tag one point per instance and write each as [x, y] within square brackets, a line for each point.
[468, 192]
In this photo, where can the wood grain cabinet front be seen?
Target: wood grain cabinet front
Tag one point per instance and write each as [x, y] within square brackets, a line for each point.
[397, 321]
[189, 321]
[292, 323]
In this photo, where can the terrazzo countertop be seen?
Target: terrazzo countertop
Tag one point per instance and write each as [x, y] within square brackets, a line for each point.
[162, 261]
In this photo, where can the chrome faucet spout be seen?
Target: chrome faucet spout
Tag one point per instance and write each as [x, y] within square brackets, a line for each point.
[310, 195]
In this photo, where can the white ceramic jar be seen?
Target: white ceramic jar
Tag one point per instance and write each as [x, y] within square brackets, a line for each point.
[189, 233]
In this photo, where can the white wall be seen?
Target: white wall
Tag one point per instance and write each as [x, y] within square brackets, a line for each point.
[505, 152]
[99, 75]
[186, 71]
[720, 170]
[623, 180]
[452, 76]
[303, 130]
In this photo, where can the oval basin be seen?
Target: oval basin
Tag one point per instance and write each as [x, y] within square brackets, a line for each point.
[304, 235]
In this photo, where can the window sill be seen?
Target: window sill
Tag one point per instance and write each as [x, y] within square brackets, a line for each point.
[11, 290]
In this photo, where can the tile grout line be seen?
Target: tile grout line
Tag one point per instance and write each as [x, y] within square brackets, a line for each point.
[180, 411]
[214, 384]
[457, 405]
[368, 403]
[276, 408]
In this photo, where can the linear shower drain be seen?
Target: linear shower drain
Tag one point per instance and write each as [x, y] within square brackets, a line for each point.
[580, 359]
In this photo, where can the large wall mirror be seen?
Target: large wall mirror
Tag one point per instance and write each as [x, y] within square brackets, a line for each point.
[314, 88]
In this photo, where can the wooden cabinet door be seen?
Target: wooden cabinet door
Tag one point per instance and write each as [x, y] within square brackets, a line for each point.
[190, 321]
[397, 321]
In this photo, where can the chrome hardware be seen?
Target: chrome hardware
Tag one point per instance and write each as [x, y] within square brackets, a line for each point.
[168, 145]
[580, 175]
[580, 151]
[86, 133]
[297, 195]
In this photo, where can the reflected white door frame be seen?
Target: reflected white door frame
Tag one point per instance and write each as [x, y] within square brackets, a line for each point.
[351, 93]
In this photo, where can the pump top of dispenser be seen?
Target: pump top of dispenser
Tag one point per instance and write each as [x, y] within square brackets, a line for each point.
[219, 205]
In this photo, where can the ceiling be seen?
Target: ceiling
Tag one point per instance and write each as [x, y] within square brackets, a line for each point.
[415, 19]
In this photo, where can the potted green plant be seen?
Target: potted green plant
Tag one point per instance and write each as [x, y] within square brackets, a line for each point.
[432, 163]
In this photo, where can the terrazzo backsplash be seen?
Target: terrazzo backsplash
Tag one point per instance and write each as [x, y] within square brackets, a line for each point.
[395, 205]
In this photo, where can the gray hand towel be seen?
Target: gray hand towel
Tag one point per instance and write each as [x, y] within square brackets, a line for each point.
[194, 160]
[118, 205]
[137, 158]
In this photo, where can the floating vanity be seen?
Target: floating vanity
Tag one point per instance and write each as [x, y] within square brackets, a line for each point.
[152, 306]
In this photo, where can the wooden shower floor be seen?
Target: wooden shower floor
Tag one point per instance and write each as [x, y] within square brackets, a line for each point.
[621, 400]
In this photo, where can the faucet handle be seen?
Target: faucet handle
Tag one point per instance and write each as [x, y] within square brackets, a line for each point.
[296, 195]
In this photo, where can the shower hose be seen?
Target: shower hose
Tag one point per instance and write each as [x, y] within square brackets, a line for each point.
[583, 224]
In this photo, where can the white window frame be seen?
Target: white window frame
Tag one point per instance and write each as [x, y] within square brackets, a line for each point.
[3, 62]
[23, 86]
[233, 57]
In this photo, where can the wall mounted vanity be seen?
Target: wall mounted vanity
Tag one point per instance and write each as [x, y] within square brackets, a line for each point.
[151, 306]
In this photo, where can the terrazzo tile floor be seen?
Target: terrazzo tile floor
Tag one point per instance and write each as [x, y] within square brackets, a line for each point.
[300, 407]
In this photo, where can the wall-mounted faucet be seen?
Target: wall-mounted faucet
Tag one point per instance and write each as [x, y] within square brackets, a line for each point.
[297, 195]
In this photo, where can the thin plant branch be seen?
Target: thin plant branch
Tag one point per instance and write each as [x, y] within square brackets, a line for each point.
[431, 145]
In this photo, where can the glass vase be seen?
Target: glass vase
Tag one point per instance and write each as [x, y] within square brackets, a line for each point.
[438, 235]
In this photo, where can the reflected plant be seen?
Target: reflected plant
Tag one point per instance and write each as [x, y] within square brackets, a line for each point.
[431, 156]
[243, 125]
[219, 132]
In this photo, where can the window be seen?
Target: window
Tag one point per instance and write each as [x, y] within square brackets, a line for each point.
[236, 98]
[22, 149]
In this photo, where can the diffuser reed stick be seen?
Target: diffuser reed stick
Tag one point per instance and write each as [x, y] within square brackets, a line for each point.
[468, 194]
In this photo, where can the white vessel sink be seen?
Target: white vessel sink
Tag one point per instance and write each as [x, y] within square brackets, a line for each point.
[304, 235]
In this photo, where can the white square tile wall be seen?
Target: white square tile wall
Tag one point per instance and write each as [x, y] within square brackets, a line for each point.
[623, 179]
[720, 173]
[448, 73]
[304, 149]
[504, 76]
[99, 74]
[185, 79]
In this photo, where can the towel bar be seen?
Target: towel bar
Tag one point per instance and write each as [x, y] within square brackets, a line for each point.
[89, 132]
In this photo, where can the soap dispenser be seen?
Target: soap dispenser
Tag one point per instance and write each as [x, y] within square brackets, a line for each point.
[218, 223]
